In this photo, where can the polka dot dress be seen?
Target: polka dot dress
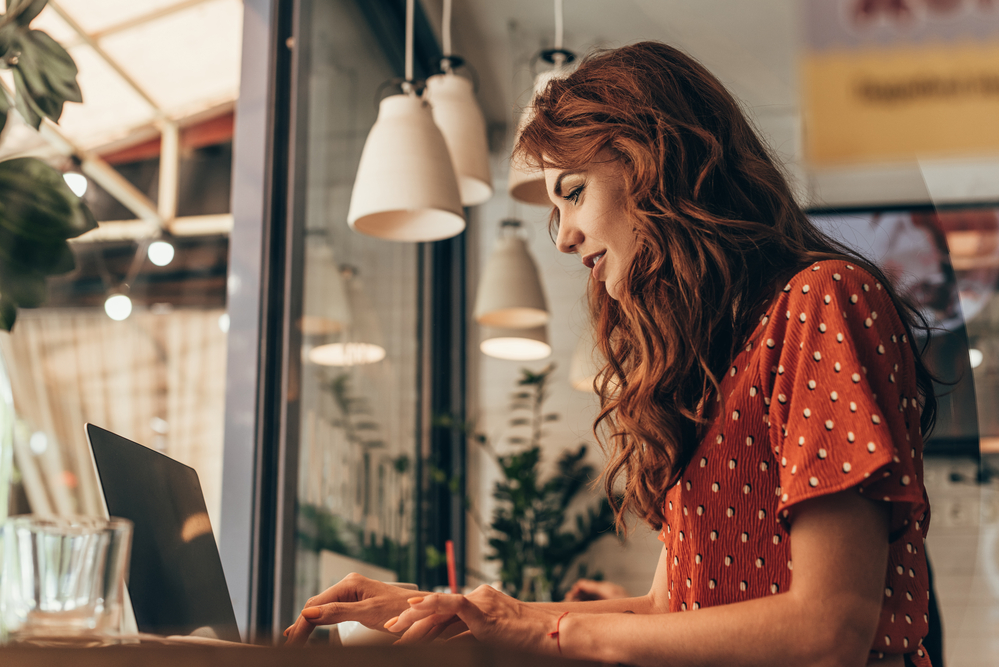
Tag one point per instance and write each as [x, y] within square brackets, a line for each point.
[821, 399]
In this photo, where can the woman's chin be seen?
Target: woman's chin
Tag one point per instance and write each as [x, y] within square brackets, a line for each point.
[613, 289]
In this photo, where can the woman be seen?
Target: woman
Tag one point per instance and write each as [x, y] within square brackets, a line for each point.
[764, 400]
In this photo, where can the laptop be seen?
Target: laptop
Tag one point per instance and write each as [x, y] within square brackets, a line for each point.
[176, 584]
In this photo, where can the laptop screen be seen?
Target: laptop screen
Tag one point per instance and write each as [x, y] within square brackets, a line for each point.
[176, 582]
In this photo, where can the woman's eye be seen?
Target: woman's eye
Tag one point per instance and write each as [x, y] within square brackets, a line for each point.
[573, 196]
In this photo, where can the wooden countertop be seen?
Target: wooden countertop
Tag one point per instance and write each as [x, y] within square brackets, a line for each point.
[160, 655]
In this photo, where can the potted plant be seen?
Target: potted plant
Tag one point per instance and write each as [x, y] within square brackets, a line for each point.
[38, 211]
[531, 538]
[537, 547]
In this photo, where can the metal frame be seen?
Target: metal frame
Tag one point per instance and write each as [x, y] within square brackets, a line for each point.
[248, 449]
[289, 411]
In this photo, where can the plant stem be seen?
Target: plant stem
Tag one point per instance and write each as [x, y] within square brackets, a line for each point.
[9, 17]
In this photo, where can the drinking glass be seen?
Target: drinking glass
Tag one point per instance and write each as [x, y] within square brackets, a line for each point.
[63, 580]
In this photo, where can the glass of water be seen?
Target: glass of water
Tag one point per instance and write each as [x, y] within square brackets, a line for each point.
[63, 580]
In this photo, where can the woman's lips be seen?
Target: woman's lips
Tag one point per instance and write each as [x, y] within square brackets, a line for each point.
[597, 262]
[590, 260]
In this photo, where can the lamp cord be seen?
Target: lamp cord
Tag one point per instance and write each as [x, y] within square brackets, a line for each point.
[559, 24]
[446, 29]
[410, 9]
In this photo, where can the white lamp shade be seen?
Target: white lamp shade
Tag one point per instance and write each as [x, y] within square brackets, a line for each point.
[346, 354]
[327, 310]
[516, 344]
[405, 189]
[457, 114]
[585, 362]
[510, 293]
[360, 342]
[527, 182]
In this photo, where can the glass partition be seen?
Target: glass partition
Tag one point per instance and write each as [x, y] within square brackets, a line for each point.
[357, 444]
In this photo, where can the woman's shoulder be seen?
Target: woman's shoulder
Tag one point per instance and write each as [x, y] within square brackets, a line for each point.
[830, 279]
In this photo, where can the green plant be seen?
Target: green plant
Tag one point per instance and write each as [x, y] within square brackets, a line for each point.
[530, 539]
[38, 211]
[319, 529]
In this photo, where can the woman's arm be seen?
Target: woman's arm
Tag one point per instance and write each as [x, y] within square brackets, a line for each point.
[372, 603]
[839, 547]
[591, 589]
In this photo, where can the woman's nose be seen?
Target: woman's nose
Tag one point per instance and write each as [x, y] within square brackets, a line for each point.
[569, 237]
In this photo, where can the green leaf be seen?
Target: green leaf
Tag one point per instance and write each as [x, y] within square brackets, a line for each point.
[44, 77]
[8, 313]
[25, 288]
[401, 464]
[28, 14]
[35, 202]
[24, 103]
[55, 64]
[38, 212]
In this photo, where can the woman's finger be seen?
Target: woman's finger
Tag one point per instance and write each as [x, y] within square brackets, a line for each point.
[454, 629]
[451, 605]
[426, 629]
[299, 632]
[334, 612]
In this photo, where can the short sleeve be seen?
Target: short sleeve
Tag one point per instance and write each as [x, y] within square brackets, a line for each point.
[843, 400]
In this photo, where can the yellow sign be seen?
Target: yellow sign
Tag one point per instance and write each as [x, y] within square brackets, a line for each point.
[897, 86]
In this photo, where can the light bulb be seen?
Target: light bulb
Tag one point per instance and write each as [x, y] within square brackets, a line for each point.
[38, 442]
[118, 307]
[159, 425]
[224, 322]
[160, 253]
[976, 357]
[77, 182]
[516, 348]
[346, 354]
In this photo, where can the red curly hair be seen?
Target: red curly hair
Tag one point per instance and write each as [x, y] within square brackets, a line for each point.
[718, 233]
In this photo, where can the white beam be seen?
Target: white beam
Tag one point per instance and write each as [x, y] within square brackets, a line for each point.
[169, 171]
[92, 43]
[94, 167]
[142, 19]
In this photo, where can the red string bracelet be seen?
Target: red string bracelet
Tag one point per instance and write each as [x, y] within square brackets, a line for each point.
[555, 635]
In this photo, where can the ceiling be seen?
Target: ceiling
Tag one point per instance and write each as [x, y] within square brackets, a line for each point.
[184, 55]
[750, 46]
[184, 59]
[140, 62]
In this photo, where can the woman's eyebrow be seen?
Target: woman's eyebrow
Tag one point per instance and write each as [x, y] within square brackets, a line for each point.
[558, 181]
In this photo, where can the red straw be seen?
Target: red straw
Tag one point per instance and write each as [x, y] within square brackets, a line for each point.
[452, 575]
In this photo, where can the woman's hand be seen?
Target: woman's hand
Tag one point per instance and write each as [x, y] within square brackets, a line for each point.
[354, 598]
[489, 615]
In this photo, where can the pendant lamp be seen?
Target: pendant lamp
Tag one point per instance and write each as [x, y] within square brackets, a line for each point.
[464, 128]
[361, 341]
[516, 344]
[405, 188]
[457, 114]
[327, 310]
[526, 182]
[510, 293]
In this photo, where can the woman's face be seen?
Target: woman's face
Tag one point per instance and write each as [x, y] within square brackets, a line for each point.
[592, 219]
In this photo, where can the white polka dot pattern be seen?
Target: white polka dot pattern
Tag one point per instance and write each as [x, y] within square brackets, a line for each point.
[841, 416]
